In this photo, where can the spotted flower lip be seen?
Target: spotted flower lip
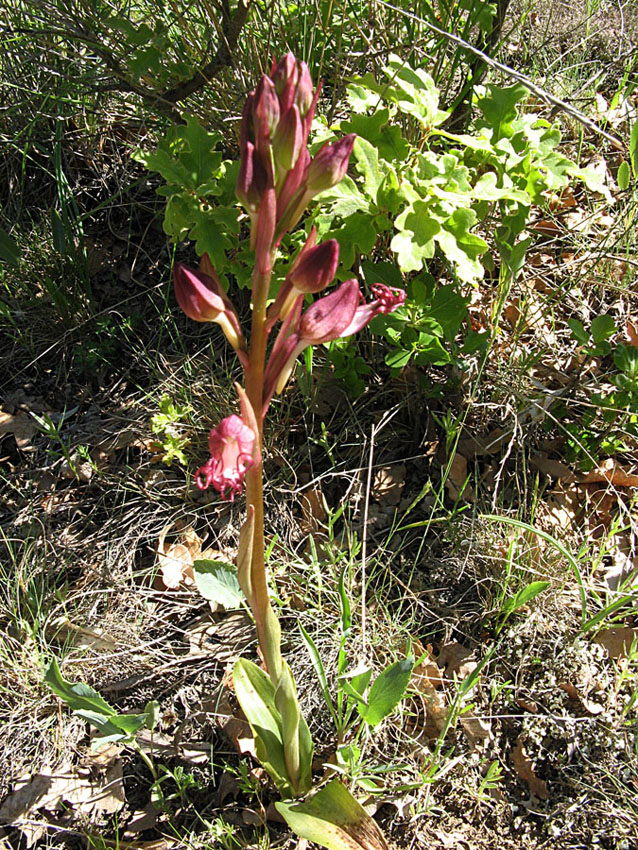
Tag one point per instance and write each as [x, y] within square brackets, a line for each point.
[232, 445]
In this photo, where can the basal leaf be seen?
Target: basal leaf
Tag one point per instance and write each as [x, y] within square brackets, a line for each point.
[256, 695]
[624, 176]
[78, 696]
[602, 327]
[333, 819]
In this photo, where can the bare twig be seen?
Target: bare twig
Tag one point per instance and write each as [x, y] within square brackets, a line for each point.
[556, 102]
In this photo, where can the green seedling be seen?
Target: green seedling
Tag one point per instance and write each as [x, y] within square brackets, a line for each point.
[166, 426]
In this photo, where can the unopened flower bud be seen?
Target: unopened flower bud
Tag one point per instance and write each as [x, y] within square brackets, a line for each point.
[315, 267]
[304, 94]
[266, 112]
[329, 165]
[285, 75]
[252, 179]
[203, 299]
[197, 294]
[328, 317]
[288, 138]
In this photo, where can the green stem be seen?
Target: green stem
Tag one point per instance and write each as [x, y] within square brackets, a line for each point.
[268, 631]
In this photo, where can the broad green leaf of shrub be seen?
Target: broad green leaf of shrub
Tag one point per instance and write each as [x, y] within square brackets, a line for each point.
[449, 309]
[367, 163]
[356, 232]
[344, 200]
[460, 246]
[375, 128]
[217, 581]
[414, 242]
[498, 105]
[430, 351]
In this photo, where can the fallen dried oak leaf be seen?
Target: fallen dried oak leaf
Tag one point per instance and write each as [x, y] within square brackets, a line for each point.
[525, 771]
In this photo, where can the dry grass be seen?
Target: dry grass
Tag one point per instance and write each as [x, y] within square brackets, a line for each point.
[91, 339]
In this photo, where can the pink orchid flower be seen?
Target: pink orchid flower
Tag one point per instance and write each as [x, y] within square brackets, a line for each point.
[202, 297]
[234, 448]
[336, 315]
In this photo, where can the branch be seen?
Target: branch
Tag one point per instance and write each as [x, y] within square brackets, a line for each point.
[227, 43]
[558, 104]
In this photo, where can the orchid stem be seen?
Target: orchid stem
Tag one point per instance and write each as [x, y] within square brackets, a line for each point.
[268, 631]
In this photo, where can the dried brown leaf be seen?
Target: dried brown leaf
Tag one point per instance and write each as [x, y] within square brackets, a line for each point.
[21, 425]
[588, 705]
[388, 484]
[456, 659]
[456, 483]
[525, 771]
[64, 631]
[553, 468]
[176, 560]
[313, 510]
[477, 729]
[618, 641]
[612, 472]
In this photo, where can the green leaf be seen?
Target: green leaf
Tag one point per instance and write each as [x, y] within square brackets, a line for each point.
[578, 331]
[525, 595]
[449, 309]
[90, 706]
[386, 691]
[602, 327]
[430, 350]
[498, 106]
[78, 696]
[414, 243]
[58, 231]
[397, 358]
[296, 738]
[256, 695]
[9, 249]
[624, 175]
[217, 581]
[461, 246]
[319, 669]
[633, 149]
[333, 819]
[382, 272]
[357, 230]
[367, 163]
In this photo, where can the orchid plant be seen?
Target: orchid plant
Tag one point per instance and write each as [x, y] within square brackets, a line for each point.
[277, 180]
